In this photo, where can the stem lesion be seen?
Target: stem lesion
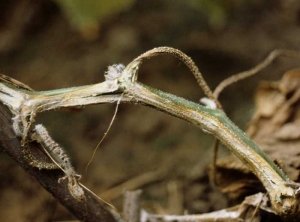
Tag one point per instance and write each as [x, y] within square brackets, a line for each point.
[275, 181]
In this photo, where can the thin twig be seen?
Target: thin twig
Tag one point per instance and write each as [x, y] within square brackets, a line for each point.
[256, 208]
[245, 74]
[214, 164]
[106, 132]
[134, 183]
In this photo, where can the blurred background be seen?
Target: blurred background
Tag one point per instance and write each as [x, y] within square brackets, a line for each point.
[65, 43]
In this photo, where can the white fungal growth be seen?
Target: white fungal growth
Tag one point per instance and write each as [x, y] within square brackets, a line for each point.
[59, 156]
[114, 71]
[208, 103]
[112, 75]
[16, 125]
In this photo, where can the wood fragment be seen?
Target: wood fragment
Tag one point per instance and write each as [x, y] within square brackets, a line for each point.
[132, 205]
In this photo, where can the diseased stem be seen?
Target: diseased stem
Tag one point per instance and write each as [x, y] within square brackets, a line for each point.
[210, 120]
[24, 103]
[216, 122]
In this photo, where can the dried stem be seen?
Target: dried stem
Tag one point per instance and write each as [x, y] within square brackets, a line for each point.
[188, 62]
[134, 183]
[245, 74]
[283, 197]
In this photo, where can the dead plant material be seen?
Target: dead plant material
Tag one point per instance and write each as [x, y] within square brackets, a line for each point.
[275, 127]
